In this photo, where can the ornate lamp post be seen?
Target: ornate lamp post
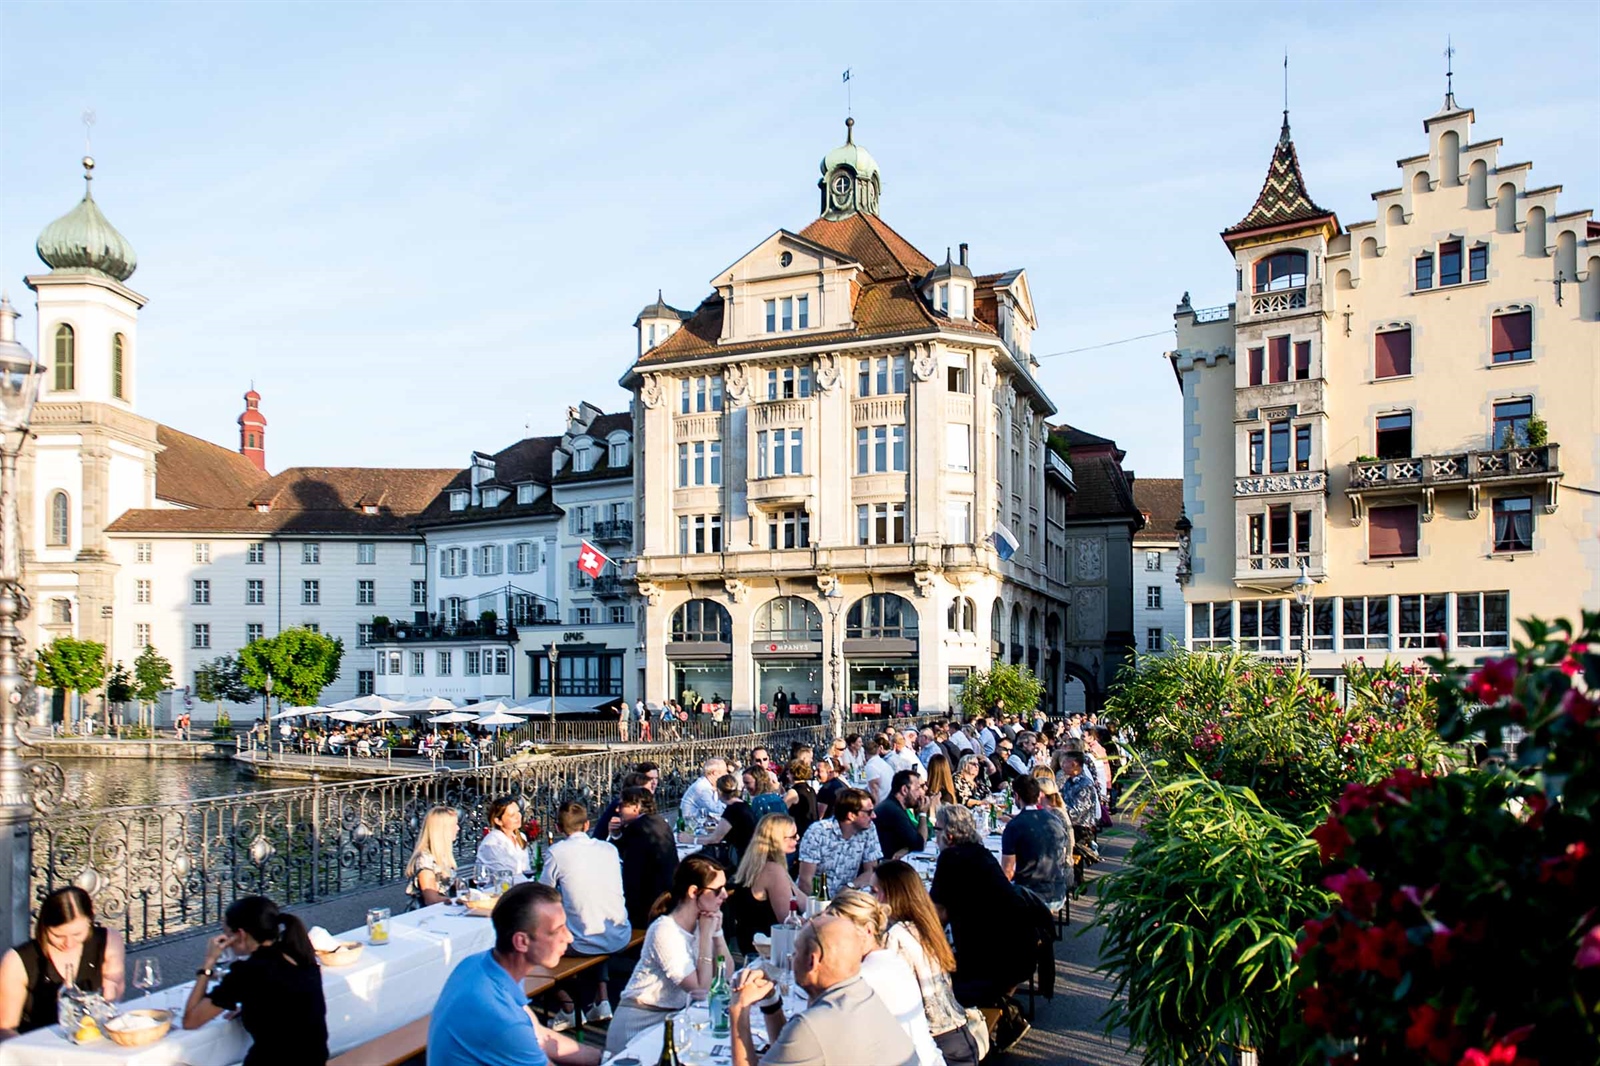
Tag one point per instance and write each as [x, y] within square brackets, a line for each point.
[19, 388]
[554, 653]
[834, 598]
[1305, 590]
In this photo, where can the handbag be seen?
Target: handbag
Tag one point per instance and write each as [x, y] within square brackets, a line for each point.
[978, 1029]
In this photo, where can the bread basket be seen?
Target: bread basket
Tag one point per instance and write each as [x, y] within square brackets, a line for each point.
[139, 1037]
[347, 952]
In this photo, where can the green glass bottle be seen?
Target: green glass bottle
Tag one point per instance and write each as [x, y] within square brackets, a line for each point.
[669, 1045]
[719, 998]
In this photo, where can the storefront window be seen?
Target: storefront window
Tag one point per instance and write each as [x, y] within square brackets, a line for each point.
[790, 686]
[702, 682]
[881, 616]
[883, 688]
[788, 618]
[704, 621]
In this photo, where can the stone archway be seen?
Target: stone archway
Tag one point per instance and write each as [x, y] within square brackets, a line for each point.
[1080, 689]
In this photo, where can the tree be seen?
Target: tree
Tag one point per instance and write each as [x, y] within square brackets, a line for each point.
[152, 675]
[71, 665]
[119, 688]
[1009, 687]
[300, 663]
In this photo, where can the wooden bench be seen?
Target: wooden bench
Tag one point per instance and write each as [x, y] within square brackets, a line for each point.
[391, 1049]
[543, 978]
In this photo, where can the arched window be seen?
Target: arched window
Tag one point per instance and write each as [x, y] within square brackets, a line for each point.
[60, 520]
[703, 621]
[618, 445]
[788, 618]
[1016, 624]
[881, 616]
[997, 621]
[1421, 182]
[1396, 215]
[66, 359]
[1283, 270]
[963, 615]
[1505, 209]
[116, 367]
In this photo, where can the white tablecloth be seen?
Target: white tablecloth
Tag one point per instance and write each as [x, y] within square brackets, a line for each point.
[390, 986]
[707, 1050]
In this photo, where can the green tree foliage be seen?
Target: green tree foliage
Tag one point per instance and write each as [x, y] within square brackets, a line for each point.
[71, 665]
[119, 685]
[222, 681]
[152, 675]
[1005, 687]
[300, 663]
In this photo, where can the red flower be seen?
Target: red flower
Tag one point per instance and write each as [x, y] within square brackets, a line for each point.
[1433, 1033]
[1588, 950]
[1332, 839]
[1356, 890]
[1317, 1009]
[1580, 708]
[1493, 679]
[1345, 951]
[1382, 948]
[1439, 949]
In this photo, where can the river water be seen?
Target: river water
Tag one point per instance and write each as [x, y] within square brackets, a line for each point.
[123, 782]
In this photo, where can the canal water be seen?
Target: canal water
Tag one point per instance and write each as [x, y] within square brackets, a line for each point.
[122, 782]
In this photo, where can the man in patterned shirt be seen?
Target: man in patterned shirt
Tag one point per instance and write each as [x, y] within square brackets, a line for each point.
[844, 847]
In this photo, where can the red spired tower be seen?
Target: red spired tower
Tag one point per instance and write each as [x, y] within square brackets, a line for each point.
[253, 431]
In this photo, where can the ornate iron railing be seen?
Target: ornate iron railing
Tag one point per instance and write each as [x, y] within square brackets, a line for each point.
[163, 870]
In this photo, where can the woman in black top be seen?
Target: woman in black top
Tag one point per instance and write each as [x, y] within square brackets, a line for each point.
[66, 942]
[277, 988]
[972, 894]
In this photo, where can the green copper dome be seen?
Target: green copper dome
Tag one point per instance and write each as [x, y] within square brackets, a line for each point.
[83, 240]
[852, 155]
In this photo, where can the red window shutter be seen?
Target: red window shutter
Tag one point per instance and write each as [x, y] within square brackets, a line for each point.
[1392, 532]
[1302, 360]
[1255, 366]
[1514, 332]
[1393, 352]
[1280, 358]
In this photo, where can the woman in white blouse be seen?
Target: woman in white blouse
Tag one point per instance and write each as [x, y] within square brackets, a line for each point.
[504, 847]
[917, 936]
[888, 974]
[679, 951]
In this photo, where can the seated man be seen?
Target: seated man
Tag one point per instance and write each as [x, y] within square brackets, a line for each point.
[481, 1017]
[588, 873]
[844, 1024]
[1036, 847]
[843, 847]
[899, 828]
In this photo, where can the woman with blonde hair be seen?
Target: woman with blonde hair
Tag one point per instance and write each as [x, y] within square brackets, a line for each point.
[886, 972]
[763, 790]
[433, 860]
[761, 889]
[917, 936]
[969, 792]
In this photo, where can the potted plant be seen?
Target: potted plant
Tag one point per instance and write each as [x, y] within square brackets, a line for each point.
[488, 620]
[1538, 432]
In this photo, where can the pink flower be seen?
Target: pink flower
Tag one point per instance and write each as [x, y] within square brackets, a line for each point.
[1588, 950]
[1578, 707]
[1494, 679]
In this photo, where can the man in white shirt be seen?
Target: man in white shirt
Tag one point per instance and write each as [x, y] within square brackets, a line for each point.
[879, 770]
[855, 754]
[700, 800]
[1021, 759]
[959, 737]
[988, 736]
[927, 746]
[904, 756]
[588, 872]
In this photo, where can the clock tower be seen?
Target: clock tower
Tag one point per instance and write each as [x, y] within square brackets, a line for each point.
[850, 181]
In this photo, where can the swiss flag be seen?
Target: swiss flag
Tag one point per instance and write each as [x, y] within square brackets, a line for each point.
[592, 560]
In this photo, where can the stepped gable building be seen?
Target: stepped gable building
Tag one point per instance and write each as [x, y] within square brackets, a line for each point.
[1394, 407]
[831, 446]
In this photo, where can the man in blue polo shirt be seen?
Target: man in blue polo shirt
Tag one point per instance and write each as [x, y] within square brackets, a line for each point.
[482, 1016]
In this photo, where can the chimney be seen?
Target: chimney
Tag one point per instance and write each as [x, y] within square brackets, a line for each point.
[963, 253]
[253, 431]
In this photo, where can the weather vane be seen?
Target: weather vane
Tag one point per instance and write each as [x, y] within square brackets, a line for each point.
[847, 92]
[1449, 66]
[88, 128]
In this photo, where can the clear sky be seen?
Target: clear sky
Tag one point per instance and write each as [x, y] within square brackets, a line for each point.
[419, 228]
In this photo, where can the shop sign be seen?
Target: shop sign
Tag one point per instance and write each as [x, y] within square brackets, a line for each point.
[790, 647]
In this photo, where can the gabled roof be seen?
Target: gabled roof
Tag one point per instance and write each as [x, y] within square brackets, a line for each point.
[1161, 501]
[191, 472]
[873, 243]
[1283, 200]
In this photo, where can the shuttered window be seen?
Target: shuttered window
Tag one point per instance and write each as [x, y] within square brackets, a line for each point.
[1255, 365]
[1393, 351]
[1513, 337]
[1392, 532]
[1278, 365]
[1302, 360]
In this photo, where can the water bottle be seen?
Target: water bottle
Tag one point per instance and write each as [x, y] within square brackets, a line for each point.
[718, 999]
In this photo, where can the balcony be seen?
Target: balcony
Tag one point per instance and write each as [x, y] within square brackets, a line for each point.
[793, 488]
[765, 414]
[408, 633]
[1281, 302]
[614, 531]
[1277, 568]
[1280, 484]
[609, 586]
[1426, 474]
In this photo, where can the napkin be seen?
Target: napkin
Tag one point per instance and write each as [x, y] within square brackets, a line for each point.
[127, 1023]
[323, 940]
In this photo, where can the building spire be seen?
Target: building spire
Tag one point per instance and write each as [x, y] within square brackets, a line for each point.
[1283, 198]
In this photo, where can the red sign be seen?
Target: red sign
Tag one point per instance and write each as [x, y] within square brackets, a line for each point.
[866, 709]
[804, 708]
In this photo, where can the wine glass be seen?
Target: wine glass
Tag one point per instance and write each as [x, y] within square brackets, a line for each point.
[697, 1048]
[147, 975]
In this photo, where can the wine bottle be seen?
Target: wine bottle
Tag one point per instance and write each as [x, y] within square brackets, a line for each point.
[669, 1045]
[719, 998]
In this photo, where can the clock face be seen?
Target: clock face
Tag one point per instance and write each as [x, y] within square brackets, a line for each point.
[841, 186]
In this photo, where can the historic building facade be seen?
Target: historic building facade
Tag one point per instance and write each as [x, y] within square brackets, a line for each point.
[1395, 406]
[842, 472]
[1158, 609]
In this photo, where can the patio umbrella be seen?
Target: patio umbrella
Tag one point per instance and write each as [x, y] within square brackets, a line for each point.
[366, 703]
[428, 704]
[498, 719]
[615, 705]
[388, 716]
[492, 707]
[533, 707]
[349, 716]
[298, 712]
[454, 716]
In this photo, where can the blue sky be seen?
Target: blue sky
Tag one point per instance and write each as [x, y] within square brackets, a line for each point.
[420, 228]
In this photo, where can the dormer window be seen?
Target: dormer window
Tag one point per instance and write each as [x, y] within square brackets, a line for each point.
[524, 494]
[458, 501]
[619, 451]
[492, 497]
[788, 313]
[583, 459]
[944, 299]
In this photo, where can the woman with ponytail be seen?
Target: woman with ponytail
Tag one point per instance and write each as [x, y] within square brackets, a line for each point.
[276, 985]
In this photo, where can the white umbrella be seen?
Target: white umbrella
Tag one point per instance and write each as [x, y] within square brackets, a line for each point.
[388, 716]
[498, 719]
[427, 704]
[533, 707]
[348, 716]
[366, 703]
[492, 707]
[298, 712]
[454, 716]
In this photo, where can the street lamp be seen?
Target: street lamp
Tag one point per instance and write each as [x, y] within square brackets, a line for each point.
[1305, 590]
[554, 653]
[834, 598]
[266, 713]
[19, 388]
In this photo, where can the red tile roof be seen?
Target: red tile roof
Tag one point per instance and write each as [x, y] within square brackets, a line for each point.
[192, 472]
[1161, 500]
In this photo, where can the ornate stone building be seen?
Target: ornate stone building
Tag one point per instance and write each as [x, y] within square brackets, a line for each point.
[1395, 406]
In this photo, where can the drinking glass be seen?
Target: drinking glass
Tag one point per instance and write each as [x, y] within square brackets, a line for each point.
[698, 1047]
[147, 975]
[378, 925]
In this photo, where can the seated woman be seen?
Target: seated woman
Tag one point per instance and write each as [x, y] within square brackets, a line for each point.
[941, 783]
[762, 887]
[970, 790]
[67, 945]
[974, 896]
[276, 987]
[916, 935]
[765, 798]
[738, 822]
[504, 847]
[887, 973]
[679, 951]
[433, 860]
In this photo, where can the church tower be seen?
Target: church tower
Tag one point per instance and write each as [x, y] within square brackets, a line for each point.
[253, 431]
[90, 457]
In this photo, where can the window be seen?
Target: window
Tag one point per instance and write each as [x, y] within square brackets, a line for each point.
[141, 634]
[1392, 532]
[1422, 620]
[958, 521]
[962, 615]
[1366, 623]
[698, 395]
[1278, 437]
[802, 311]
[1257, 363]
[489, 559]
[525, 492]
[255, 592]
[780, 452]
[1392, 353]
[311, 627]
[617, 457]
[310, 592]
[617, 614]
[772, 316]
[202, 553]
[200, 593]
[1511, 423]
[524, 559]
[1211, 624]
[702, 621]
[583, 459]
[788, 529]
[366, 553]
[700, 463]
[363, 634]
[61, 612]
[310, 554]
[141, 590]
[1450, 263]
[1152, 597]
[881, 377]
[1302, 360]
[200, 635]
[1277, 359]
[1258, 450]
[389, 662]
[472, 662]
[1321, 625]
[366, 594]
[1478, 262]
[1482, 619]
[142, 551]
[1152, 639]
[1280, 539]
[61, 521]
[1152, 560]
[1260, 625]
[881, 616]
[66, 359]
[881, 523]
[256, 553]
[443, 663]
[1285, 270]
[1394, 436]
[1424, 272]
[582, 616]
[958, 446]
[1513, 337]
[957, 377]
[790, 383]
[458, 501]
[880, 449]
[419, 663]
[699, 534]
[1513, 524]
[364, 682]
[419, 594]
[452, 562]
[1302, 447]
